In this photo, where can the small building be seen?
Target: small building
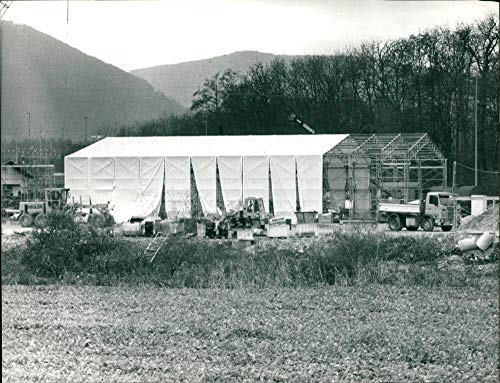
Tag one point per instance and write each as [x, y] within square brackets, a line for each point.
[15, 179]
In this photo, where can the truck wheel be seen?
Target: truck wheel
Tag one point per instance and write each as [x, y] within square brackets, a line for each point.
[394, 223]
[41, 220]
[26, 220]
[446, 228]
[427, 224]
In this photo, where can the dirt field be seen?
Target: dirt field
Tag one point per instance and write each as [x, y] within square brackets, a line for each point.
[330, 334]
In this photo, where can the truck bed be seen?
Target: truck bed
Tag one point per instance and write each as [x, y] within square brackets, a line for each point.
[399, 208]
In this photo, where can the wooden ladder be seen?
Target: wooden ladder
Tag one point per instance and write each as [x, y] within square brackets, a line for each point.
[154, 247]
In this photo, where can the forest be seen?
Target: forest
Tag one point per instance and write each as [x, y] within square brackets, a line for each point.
[441, 81]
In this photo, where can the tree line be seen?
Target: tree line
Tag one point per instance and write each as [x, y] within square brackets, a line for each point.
[426, 83]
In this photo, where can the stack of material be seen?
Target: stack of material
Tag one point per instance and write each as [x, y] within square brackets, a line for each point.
[307, 229]
[278, 231]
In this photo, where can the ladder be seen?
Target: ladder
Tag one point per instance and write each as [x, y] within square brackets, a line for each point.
[154, 247]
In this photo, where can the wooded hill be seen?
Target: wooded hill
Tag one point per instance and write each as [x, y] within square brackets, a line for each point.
[58, 86]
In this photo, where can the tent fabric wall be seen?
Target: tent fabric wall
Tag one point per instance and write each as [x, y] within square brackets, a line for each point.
[76, 178]
[283, 185]
[256, 178]
[102, 179]
[152, 170]
[204, 169]
[230, 176]
[310, 182]
[178, 187]
[127, 187]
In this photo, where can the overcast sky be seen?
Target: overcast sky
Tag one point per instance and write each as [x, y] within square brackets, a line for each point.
[137, 34]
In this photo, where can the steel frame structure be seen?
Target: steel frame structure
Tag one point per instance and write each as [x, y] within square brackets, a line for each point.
[401, 167]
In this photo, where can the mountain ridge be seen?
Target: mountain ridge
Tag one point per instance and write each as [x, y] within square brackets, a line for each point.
[180, 80]
[58, 85]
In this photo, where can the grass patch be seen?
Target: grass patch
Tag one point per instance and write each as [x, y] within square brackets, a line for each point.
[69, 253]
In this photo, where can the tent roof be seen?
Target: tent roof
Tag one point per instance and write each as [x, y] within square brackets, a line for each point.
[197, 146]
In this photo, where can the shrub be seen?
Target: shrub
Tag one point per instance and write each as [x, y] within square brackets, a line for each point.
[80, 254]
[65, 246]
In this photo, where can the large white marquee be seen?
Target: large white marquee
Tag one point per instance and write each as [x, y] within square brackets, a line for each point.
[130, 172]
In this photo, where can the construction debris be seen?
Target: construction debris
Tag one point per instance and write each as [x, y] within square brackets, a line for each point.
[487, 220]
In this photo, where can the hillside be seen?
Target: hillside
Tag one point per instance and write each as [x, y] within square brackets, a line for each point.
[180, 81]
[59, 85]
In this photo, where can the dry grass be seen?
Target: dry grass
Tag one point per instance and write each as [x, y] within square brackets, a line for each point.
[131, 334]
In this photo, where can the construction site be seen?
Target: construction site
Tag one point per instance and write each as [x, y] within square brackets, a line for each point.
[244, 187]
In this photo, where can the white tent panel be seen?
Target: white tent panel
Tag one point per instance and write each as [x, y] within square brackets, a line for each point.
[152, 171]
[205, 177]
[127, 186]
[256, 178]
[76, 178]
[178, 187]
[310, 182]
[206, 146]
[283, 186]
[230, 175]
[102, 179]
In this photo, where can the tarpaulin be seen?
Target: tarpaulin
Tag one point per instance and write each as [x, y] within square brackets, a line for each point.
[310, 182]
[127, 187]
[102, 179]
[148, 202]
[230, 175]
[256, 178]
[283, 186]
[205, 177]
[76, 178]
[177, 187]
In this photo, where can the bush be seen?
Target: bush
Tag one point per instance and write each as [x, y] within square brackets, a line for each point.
[77, 253]
[66, 246]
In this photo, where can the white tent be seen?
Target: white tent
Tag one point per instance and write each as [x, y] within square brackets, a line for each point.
[129, 172]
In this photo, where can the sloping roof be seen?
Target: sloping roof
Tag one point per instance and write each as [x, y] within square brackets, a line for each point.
[197, 146]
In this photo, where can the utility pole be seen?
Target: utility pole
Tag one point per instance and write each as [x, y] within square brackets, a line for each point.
[85, 120]
[453, 182]
[206, 124]
[475, 138]
[29, 125]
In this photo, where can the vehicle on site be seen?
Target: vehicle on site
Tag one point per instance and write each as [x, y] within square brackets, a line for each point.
[140, 226]
[97, 216]
[36, 211]
[251, 215]
[438, 209]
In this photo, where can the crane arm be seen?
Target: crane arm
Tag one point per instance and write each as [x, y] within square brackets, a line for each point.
[293, 117]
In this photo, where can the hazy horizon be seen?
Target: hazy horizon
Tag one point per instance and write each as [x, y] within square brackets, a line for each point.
[131, 34]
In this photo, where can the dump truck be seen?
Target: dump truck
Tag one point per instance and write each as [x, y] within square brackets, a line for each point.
[438, 209]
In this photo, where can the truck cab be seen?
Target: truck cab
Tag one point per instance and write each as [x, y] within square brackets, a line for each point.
[439, 208]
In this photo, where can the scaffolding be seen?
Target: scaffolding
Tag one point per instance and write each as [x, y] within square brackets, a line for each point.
[364, 170]
[30, 185]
